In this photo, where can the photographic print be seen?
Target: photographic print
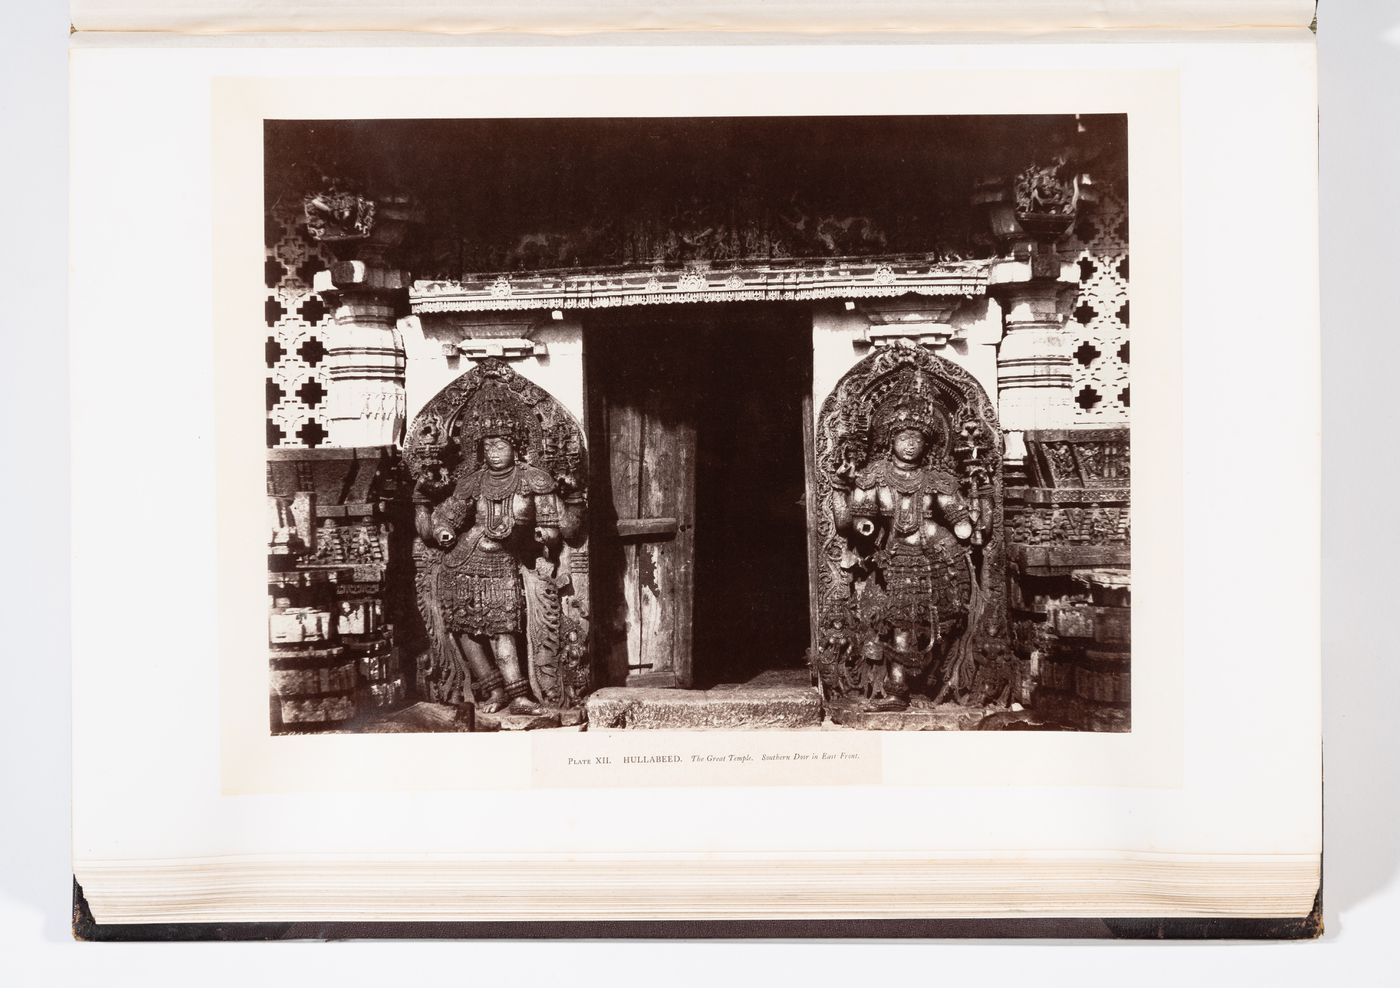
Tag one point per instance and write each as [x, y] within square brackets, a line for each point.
[698, 423]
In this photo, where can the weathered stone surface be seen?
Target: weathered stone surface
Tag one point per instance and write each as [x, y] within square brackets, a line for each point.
[729, 709]
[1113, 625]
[1078, 714]
[1074, 621]
[525, 722]
[921, 717]
[435, 718]
[1108, 587]
[419, 718]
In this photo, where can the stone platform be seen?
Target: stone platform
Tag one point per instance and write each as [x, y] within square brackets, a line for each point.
[438, 718]
[728, 709]
[922, 715]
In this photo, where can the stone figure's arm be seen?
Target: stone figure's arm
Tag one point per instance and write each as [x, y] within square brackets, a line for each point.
[548, 516]
[852, 508]
[841, 509]
[955, 512]
[573, 505]
[573, 511]
[865, 509]
[438, 526]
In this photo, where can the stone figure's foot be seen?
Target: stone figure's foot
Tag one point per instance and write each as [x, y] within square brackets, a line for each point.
[495, 702]
[525, 705]
[888, 703]
[522, 701]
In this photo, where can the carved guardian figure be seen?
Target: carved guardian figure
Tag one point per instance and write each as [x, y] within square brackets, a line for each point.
[911, 596]
[501, 566]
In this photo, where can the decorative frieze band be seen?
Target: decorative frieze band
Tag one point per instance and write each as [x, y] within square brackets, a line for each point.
[869, 277]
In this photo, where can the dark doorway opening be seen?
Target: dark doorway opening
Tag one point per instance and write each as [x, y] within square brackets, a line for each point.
[713, 397]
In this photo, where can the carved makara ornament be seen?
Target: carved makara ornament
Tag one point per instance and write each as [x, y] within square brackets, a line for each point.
[912, 594]
[499, 514]
[1051, 189]
[334, 215]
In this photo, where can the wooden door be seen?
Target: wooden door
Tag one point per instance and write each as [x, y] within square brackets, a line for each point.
[642, 399]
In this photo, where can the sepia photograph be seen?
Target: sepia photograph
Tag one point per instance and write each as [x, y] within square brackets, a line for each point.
[807, 423]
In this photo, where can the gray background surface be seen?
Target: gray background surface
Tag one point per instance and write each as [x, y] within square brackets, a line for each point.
[1359, 43]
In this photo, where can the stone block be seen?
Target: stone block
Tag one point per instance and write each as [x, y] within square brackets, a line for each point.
[925, 716]
[419, 718]
[1111, 587]
[1074, 621]
[1112, 625]
[523, 722]
[620, 707]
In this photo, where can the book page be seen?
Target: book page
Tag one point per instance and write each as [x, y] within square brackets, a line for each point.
[173, 758]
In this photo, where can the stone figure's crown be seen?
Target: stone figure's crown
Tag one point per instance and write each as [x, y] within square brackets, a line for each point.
[915, 407]
[496, 416]
[912, 413]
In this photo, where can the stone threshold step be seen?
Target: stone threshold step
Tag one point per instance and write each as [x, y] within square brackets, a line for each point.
[743, 708]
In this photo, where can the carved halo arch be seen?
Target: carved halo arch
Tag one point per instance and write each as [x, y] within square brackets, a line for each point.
[847, 428]
[557, 602]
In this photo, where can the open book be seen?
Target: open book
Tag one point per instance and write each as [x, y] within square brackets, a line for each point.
[605, 487]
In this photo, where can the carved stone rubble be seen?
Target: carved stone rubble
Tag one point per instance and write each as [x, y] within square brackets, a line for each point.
[501, 557]
[911, 589]
[330, 628]
[1069, 534]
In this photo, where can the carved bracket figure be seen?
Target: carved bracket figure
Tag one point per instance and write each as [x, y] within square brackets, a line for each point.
[912, 596]
[501, 554]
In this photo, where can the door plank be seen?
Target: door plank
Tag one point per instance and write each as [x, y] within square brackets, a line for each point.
[648, 437]
[656, 563]
[625, 437]
[683, 589]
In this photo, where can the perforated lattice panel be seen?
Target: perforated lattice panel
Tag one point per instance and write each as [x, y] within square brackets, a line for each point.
[1098, 321]
[294, 316]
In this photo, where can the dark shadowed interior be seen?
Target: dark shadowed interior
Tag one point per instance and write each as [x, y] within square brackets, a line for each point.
[736, 375]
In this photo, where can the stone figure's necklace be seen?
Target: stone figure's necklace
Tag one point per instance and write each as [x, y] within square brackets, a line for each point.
[496, 490]
[499, 483]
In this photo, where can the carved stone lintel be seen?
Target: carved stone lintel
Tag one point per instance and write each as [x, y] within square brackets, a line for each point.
[920, 319]
[504, 349]
[504, 335]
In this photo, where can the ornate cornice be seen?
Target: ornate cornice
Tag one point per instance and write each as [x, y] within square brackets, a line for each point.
[844, 278]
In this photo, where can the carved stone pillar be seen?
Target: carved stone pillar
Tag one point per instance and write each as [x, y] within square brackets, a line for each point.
[1034, 362]
[1035, 287]
[367, 292]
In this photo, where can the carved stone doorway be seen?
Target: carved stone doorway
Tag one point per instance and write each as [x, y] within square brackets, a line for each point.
[700, 531]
